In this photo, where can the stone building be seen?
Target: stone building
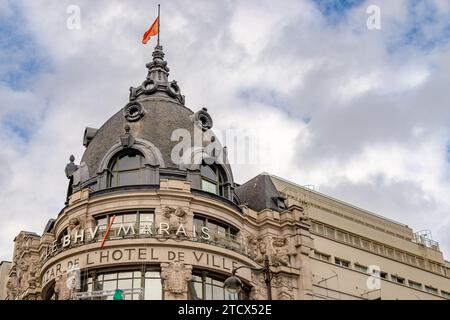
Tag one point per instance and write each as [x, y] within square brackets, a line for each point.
[4, 273]
[152, 209]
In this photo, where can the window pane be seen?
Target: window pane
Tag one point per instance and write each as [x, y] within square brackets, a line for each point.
[152, 274]
[125, 284]
[128, 178]
[129, 162]
[124, 275]
[109, 285]
[209, 187]
[218, 293]
[115, 166]
[110, 276]
[209, 173]
[129, 218]
[153, 289]
[146, 218]
[136, 283]
[208, 290]
[198, 287]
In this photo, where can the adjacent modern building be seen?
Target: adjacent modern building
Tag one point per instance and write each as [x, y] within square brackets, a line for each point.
[153, 212]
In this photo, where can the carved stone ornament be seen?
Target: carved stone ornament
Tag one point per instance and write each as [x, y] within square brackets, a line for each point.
[257, 248]
[127, 140]
[174, 217]
[280, 252]
[203, 120]
[284, 286]
[133, 111]
[175, 277]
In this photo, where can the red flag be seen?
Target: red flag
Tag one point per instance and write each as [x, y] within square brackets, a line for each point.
[153, 31]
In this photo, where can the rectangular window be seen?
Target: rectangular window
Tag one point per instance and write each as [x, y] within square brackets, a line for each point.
[365, 244]
[415, 285]
[209, 187]
[383, 275]
[330, 232]
[390, 252]
[355, 241]
[341, 262]
[321, 256]
[445, 294]
[341, 236]
[411, 259]
[360, 268]
[398, 279]
[320, 229]
[399, 255]
[431, 290]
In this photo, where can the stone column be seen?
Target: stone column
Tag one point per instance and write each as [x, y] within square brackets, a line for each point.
[175, 276]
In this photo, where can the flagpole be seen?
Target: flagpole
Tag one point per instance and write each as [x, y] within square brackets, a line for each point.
[158, 22]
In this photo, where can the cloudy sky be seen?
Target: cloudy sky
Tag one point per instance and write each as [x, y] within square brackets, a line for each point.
[363, 115]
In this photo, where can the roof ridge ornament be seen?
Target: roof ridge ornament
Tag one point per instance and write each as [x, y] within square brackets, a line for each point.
[157, 81]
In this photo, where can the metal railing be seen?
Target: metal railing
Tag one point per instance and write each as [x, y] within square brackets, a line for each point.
[92, 295]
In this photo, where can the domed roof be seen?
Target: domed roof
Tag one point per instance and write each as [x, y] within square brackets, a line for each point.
[155, 121]
[160, 118]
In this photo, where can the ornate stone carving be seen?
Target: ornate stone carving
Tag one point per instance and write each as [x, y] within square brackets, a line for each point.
[157, 81]
[127, 140]
[176, 276]
[203, 120]
[257, 248]
[259, 290]
[74, 227]
[12, 286]
[133, 111]
[284, 286]
[280, 252]
[174, 217]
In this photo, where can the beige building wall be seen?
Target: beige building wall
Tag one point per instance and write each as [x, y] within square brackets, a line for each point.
[4, 272]
[411, 269]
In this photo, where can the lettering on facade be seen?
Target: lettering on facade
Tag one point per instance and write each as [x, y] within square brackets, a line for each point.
[139, 255]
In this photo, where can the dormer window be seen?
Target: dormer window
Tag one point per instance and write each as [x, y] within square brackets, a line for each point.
[126, 169]
[212, 179]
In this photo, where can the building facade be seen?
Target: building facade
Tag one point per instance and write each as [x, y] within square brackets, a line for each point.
[153, 211]
[4, 273]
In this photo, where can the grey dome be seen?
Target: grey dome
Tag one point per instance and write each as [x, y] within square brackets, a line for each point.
[160, 118]
[147, 123]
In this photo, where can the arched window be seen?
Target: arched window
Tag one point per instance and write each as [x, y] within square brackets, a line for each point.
[212, 179]
[126, 169]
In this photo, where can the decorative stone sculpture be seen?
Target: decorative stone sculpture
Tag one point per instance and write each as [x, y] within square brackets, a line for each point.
[127, 139]
[257, 248]
[176, 276]
[283, 284]
[74, 227]
[280, 252]
[174, 217]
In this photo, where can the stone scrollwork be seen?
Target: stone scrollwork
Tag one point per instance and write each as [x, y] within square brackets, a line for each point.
[175, 276]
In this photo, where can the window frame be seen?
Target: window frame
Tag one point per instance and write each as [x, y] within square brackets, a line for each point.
[210, 279]
[114, 175]
[220, 181]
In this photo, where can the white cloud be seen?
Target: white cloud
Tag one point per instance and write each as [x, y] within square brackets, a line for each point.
[379, 109]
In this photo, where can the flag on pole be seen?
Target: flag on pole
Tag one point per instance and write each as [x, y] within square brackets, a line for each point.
[153, 31]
